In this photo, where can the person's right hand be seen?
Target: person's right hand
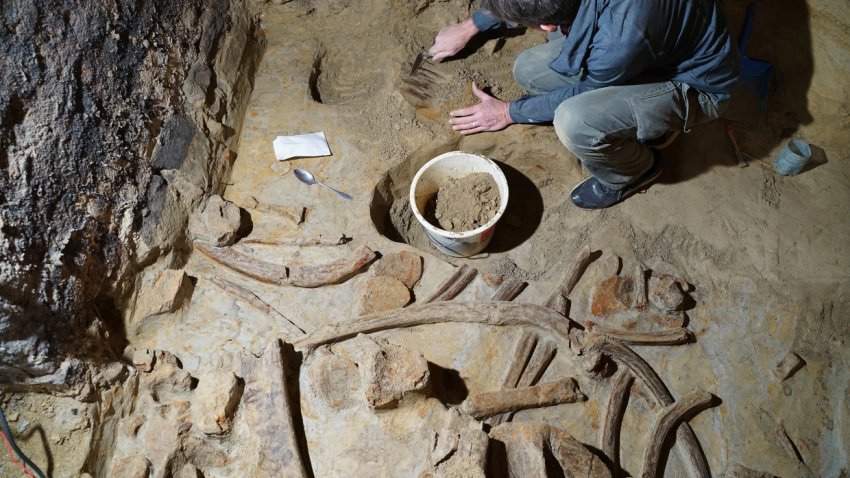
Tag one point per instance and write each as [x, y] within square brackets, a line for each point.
[452, 39]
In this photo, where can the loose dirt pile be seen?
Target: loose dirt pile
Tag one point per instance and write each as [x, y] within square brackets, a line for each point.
[464, 204]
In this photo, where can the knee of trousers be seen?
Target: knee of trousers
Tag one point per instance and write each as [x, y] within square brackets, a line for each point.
[573, 131]
[523, 70]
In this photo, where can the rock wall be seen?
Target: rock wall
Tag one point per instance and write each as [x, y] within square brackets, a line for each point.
[116, 119]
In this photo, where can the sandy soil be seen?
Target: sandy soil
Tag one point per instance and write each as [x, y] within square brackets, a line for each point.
[765, 257]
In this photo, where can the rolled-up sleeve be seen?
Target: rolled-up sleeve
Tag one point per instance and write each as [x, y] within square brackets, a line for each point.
[484, 20]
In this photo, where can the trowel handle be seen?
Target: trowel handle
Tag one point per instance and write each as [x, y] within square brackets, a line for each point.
[746, 29]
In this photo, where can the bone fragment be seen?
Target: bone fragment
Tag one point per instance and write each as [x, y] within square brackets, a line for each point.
[509, 289]
[311, 276]
[788, 366]
[300, 241]
[617, 403]
[454, 285]
[546, 394]
[460, 448]
[573, 274]
[662, 337]
[670, 419]
[534, 449]
[694, 456]
[558, 303]
[268, 414]
[542, 357]
[256, 269]
[487, 313]
[543, 354]
[641, 298]
[331, 272]
[522, 354]
[246, 295]
[295, 214]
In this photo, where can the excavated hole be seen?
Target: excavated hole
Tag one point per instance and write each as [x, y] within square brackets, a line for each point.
[337, 79]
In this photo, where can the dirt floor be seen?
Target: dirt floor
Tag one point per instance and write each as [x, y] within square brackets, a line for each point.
[764, 258]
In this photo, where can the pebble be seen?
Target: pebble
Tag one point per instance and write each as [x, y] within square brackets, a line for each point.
[404, 266]
[383, 293]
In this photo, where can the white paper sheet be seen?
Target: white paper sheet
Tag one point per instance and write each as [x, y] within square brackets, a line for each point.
[301, 146]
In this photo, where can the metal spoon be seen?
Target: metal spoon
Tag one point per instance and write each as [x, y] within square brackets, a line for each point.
[307, 178]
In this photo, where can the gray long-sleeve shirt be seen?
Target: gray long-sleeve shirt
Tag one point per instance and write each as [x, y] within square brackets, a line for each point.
[612, 42]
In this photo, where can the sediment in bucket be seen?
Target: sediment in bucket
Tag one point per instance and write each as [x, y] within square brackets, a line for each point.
[435, 173]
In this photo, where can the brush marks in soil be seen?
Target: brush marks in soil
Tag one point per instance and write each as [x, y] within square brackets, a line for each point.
[337, 78]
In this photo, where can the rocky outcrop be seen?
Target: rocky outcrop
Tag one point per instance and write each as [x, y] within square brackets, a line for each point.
[116, 119]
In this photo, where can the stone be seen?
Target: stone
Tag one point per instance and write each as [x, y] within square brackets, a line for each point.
[110, 374]
[217, 222]
[188, 471]
[788, 366]
[665, 294]
[169, 291]
[130, 426]
[388, 372]
[197, 84]
[533, 447]
[173, 142]
[168, 381]
[131, 467]
[460, 449]
[383, 293]
[612, 295]
[214, 402]
[144, 359]
[404, 266]
[333, 380]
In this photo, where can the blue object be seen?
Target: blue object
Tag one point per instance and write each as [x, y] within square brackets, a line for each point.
[792, 158]
[755, 74]
[614, 42]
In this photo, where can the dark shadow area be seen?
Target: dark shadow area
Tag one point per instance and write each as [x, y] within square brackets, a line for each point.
[523, 214]
[758, 126]
[47, 468]
[112, 318]
[817, 159]
[497, 460]
[292, 361]
[478, 41]
[447, 385]
[246, 226]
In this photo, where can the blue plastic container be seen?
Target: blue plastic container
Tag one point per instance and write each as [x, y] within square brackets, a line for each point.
[793, 157]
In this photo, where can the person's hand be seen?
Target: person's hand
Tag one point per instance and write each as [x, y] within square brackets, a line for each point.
[452, 39]
[489, 115]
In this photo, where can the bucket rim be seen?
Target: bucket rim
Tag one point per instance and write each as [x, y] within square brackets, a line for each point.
[465, 234]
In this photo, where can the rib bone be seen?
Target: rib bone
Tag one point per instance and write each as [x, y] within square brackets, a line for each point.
[311, 276]
[573, 274]
[640, 369]
[454, 285]
[614, 416]
[669, 419]
[547, 394]
[488, 313]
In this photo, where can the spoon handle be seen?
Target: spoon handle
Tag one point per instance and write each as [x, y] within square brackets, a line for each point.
[338, 192]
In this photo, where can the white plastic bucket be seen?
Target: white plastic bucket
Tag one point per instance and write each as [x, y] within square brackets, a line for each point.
[435, 173]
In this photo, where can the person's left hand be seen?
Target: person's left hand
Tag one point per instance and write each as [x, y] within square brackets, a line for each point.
[489, 115]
